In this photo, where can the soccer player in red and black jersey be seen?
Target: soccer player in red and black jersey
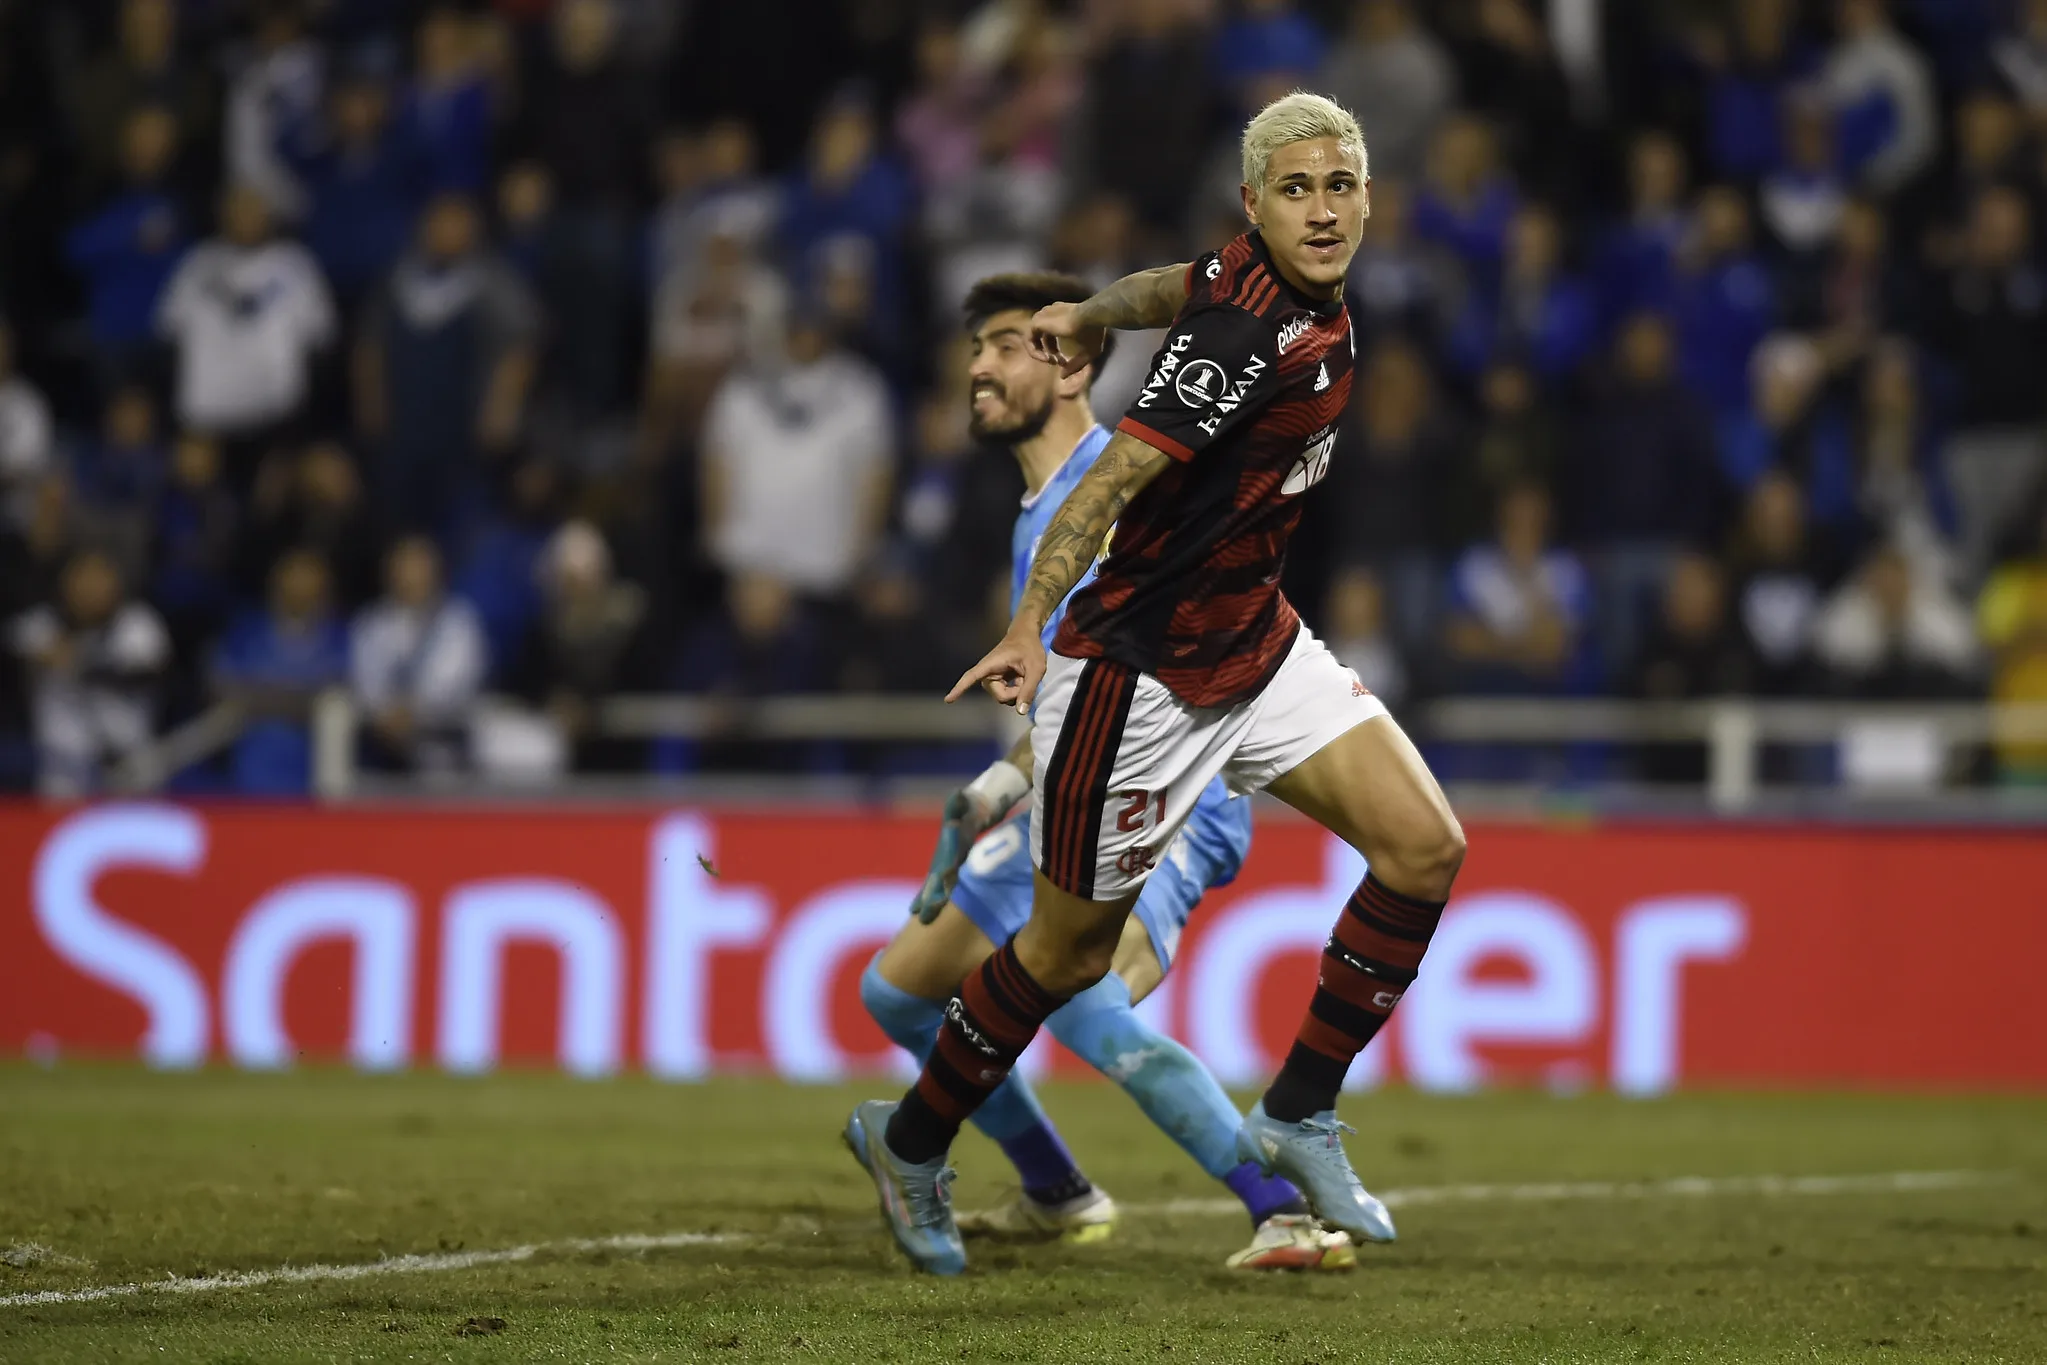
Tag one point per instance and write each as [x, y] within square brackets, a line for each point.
[1183, 661]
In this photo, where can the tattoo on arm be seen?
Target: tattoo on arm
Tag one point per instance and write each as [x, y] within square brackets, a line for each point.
[1074, 538]
[1149, 298]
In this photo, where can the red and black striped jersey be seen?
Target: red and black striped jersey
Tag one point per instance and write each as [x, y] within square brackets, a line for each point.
[1244, 395]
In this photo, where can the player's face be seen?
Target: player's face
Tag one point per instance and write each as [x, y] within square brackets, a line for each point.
[1011, 392]
[1312, 208]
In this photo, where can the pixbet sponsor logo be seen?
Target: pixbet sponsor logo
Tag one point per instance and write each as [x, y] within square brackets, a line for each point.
[1294, 330]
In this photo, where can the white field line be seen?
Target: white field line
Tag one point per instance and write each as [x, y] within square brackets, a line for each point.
[1891, 1182]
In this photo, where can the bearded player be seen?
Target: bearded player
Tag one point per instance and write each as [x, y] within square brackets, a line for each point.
[1183, 662]
[1024, 401]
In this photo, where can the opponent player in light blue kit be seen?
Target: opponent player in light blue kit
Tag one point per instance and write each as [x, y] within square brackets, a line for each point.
[979, 894]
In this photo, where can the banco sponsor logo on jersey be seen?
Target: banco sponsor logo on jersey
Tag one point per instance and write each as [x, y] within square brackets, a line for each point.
[1229, 401]
[1294, 331]
[1313, 464]
[1199, 383]
[1169, 361]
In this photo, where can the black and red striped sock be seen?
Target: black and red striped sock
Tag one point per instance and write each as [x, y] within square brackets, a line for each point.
[1368, 964]
[986, 1028]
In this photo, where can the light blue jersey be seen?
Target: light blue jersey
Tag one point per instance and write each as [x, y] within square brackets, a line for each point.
[994, 887]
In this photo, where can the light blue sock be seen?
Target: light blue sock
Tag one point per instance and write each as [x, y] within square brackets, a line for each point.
[1174, 1090]
[1010, 1113]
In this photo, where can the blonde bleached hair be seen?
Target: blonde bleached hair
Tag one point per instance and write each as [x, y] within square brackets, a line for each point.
[1299, 117]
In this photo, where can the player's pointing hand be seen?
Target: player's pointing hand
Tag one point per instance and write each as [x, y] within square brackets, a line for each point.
[1059, 337]
[1011, 671]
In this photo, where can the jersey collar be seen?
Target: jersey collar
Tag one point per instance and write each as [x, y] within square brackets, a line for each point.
[1030, 500]
[1321, 308]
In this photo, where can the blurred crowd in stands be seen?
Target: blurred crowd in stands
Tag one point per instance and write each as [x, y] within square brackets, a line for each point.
[554, 349]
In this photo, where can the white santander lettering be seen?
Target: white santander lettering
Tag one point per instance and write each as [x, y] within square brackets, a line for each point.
[1447, 1012]
[480, 921]
[1222, 979]
[796, 995]
[113, 953]
[377, 917]
[690, 916]
[1655, 940]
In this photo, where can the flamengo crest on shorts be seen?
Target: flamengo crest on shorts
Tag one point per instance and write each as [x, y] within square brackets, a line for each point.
[1245, 394]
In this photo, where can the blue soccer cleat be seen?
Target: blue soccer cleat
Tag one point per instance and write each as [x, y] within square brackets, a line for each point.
[1310, 1153]
[916, 1200]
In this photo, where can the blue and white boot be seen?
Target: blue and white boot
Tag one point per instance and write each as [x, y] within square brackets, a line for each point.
[916, 1200]
[1310, 1153]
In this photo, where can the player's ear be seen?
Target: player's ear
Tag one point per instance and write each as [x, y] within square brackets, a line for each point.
[1250, 198]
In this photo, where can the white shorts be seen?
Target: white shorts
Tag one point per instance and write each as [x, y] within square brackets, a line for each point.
[1120, 760]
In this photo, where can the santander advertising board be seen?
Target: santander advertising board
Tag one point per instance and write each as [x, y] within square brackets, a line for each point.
[692, 942]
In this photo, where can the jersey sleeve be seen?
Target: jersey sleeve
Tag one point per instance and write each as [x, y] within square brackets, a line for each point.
[1217, 368]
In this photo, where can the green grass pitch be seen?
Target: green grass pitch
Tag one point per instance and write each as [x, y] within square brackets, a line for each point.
[114, 1176]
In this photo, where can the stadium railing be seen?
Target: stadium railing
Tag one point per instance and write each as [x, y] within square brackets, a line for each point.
[1930, 758]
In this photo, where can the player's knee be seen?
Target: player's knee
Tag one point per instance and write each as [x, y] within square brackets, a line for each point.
[1426, 863]
[907, 1019]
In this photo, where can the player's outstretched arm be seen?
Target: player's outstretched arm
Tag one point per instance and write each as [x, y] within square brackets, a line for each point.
[1014, 667]
[1070, 334]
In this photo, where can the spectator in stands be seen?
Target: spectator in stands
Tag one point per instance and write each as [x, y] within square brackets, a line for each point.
[1724, 305]
[761, 644]
[246, 312]
[442, 368]
[1990, 325]
[1793, 425]
[2011, 615]
[1646, 485]
[1385, 492]
[1541, 315]
[1518, 440]
[499, 569]
[1360, 635]
[588, 124]
[1398, 282]
[26, 452]
[417, 661]
[1263, 42]
[1750, 64]
[127, 250]
[119, 478]
[589, 642]
[1782, 570]
[1853, 289]
[196, 524]
[797, 461]
[845, 213]
[366, 179]
[1901, 491]
[1148, 93]
[1884, 635]
[1882, 95]
[2021, 56]
[272, 100]
[94, 657]
[1466, 204]
[1803, 199]
[272, 665]
[1635, 266]
[1693, 652]
[448, 112]
[1510, 74]
[939, 124]
[139, 71]
[312, 499]
[888, 644]
[1394, 75]
[1519, 606]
